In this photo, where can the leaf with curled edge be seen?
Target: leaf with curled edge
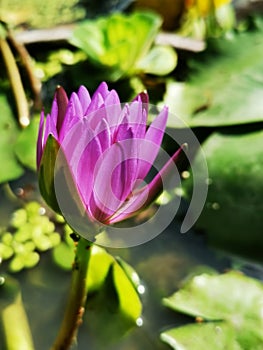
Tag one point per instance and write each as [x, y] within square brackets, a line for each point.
[228, 307]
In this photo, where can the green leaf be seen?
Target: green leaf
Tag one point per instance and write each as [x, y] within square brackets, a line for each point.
[225, 85]
[126, 291]
[63, 255]
[231, 218]
[8, 135]
[117, 42]
[25, 147]
[102, 264]
[125, 279]
[114, 302]
[231, 300]
[160, 60]
[35, 13]
[219, 336]
[104, 267]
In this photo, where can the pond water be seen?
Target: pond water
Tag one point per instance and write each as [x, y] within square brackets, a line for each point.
[162, 263]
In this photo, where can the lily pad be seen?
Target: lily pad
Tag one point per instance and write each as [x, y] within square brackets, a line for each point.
[160, 60]
[11, 169]
[219, 336]
[231, 301]
[225, 84]
[25, 147]
[231, 218]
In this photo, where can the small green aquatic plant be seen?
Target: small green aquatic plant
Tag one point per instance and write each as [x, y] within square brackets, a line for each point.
[30, 232]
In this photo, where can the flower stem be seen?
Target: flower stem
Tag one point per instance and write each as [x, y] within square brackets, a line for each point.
[76, 299]
[28, 65]
[16, 83]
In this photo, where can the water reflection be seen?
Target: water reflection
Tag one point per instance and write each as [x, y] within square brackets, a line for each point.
[162, 265]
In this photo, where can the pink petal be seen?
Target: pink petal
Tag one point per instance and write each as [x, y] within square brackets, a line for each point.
[109, 183]
[144, 99]
[98, 98]
[84, 98]
[54, 110]
[149, 193]
[153, 140]
[123, 131]
[86, 165]
[96, 117]
[103, 134]
[50, 128]
[72, 115]
[77, 107]
[102, 90]
[75, 141]
[112, 108]
[40, 138]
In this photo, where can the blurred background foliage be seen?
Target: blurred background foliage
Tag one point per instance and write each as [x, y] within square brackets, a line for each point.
[201, 58]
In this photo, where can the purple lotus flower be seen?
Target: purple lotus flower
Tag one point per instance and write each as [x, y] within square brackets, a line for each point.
[107, 149]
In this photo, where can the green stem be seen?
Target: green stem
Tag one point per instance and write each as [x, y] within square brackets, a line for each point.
[13, 318]
[76, 299]
[16, 83]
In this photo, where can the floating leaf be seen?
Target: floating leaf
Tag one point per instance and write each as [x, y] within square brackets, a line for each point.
[63, 255]
[8, 134]
[231, 300]
[219, 336]
[225, 85]
[25, 147]
[231, 218]
[160, 60]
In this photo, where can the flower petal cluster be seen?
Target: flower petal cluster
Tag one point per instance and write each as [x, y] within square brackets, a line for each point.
[108, 151]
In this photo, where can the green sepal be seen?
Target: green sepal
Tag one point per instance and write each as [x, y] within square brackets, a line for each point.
[47, 173]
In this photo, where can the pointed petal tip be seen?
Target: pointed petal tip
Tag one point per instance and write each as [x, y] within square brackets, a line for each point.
[142, 97]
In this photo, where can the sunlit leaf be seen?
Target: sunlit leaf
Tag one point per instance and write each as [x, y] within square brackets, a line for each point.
[219, 336]
[116, 303]
[160, 60]
[37, 13]
[231, 300]
[118, 42]
[224, 85]
[63, 255]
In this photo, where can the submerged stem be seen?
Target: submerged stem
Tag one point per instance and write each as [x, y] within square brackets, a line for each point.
[76, 299]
